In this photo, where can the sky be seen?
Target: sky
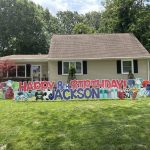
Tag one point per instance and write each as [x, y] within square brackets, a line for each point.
[81, 6]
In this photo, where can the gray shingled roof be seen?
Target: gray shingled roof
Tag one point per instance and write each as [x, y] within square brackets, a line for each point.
[96, 46]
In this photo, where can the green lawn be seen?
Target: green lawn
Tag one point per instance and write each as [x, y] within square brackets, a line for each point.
[75, 125]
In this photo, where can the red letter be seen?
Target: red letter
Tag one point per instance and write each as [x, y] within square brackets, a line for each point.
[125, 83]
[87, 83]
[23, 86]
[74, 84]
[101, 84]
[51, 85]
[107, 84]
[37, 85]
[44, 85]
[120, 84]
[114, 84]
[95, 83]
[30, 86]
[80, 83]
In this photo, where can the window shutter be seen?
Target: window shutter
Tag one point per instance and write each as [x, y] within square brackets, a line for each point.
[84, 67]
[59, 67]
[135, 63]
[118, 66]
[28, 70]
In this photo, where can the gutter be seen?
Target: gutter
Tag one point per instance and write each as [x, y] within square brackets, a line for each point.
[105, 58]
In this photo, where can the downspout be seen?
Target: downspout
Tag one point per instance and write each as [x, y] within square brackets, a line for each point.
[148, 69]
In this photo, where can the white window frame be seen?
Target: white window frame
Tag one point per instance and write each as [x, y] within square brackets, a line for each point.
[16, 66]
[132, 67]
[17, 70]
[74, 61]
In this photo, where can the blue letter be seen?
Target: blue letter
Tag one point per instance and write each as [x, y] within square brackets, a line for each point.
[80, 93]
[86, 94]
[60, 85]
[96, 94]
[73, 92]
[58, 94]
[64, 94]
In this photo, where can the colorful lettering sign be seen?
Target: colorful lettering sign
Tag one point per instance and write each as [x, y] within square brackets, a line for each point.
[76, 89]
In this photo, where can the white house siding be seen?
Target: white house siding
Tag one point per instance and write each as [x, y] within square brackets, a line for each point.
[99, 69]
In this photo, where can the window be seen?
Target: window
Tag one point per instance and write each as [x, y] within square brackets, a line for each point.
[21, 71]
[127, 65]
[16, 71]
[67, 65]
[78, 67]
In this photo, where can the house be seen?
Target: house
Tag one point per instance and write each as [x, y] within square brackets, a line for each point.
[95, 56]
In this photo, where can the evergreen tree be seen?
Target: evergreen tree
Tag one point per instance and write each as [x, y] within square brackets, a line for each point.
[72, 72]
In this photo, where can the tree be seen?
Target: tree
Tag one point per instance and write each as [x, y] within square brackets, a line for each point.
[127, 16]
[51, 22]
[67, 20]
[141, 27]
[5, 67]
[81, 28]
[92, 19]
[25, 28]
[72, 72]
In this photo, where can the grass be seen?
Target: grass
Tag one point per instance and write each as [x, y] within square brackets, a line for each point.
[75, 125]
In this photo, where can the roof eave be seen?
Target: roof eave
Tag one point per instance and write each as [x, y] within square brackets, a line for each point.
[26, 60]
[104, 58]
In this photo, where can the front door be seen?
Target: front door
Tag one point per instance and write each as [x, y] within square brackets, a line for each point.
[36, 72]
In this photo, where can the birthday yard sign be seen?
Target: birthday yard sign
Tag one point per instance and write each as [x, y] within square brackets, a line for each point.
[76, 89]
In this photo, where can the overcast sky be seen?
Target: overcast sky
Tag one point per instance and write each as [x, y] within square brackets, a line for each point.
[82, 6]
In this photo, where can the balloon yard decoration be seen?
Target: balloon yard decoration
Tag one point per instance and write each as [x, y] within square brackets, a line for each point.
[77, 89]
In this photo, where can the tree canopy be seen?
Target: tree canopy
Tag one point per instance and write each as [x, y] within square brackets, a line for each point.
[127, 16]
[81, 28]
[67, 20]
[26, 28]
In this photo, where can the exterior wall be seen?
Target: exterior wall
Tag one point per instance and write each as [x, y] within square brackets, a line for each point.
[143, 69]
[99, 69]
